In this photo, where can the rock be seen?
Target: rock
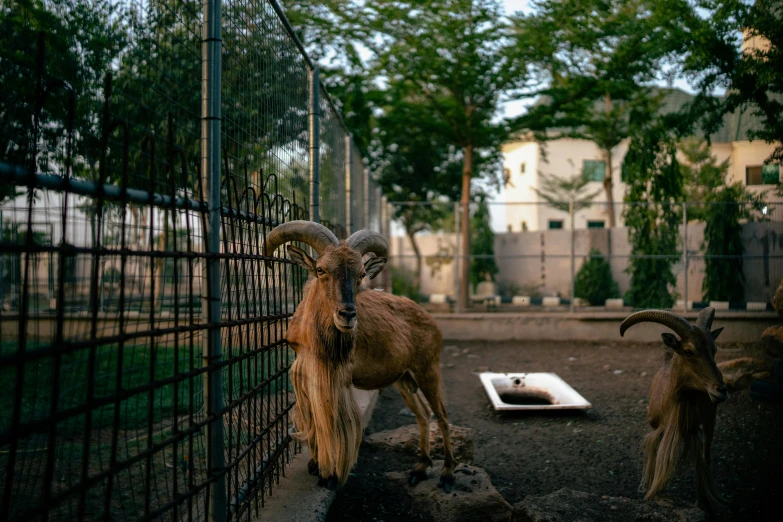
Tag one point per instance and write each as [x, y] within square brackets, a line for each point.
[567, 505]
[406, 440]
[772, 338]
[738, 373]
[473, 497]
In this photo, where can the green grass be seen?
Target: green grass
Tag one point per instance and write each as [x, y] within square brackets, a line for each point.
[140, 365]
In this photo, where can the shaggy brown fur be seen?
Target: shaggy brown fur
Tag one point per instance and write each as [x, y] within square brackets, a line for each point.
[683, 403]
[344, 334]
[395, 342]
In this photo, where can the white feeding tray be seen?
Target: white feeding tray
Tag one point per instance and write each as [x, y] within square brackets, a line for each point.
[531, 391]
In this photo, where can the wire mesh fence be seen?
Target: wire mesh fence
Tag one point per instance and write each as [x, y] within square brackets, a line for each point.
[534, 255]
[127, 398]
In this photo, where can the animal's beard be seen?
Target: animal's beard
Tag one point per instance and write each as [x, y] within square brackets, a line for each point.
[337, 345]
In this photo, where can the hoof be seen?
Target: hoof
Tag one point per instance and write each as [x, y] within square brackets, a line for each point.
[417, 475]
[446, 482]
[312, 468]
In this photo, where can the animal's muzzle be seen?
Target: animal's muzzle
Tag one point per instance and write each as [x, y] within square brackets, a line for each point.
[719, 394]
[345, 318]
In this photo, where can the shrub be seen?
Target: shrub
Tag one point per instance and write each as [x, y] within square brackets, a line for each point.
[402, 282]
[508, 289]
[594, 280]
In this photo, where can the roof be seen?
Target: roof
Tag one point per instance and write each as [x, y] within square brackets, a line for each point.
[735, 126]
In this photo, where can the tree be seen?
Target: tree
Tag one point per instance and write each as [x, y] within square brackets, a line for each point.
[701, 175]
[558, 192]
[69, 44]
[724, 279]
[652, 214]
[457, 56]
[708, 41]
[414, 164]
[482, 244]
[594, 280]
[594, 58]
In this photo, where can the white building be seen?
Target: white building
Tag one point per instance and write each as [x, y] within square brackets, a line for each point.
[524, 162]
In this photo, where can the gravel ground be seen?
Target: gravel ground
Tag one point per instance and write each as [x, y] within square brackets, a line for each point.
[597, 451]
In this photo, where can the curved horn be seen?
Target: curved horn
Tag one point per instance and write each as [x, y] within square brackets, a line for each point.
[680, 326]
[366, 241]
[314, 234]
[704, 321]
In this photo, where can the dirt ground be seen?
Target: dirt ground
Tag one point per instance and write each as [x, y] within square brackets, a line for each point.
[597, 451]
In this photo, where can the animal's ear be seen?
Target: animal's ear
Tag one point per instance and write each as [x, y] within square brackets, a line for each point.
[671, 341]
[715, 333]
[374, 265]
[301, 258]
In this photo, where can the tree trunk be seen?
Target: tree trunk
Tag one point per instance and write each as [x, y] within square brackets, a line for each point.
[467, 173]
[608, 185]
[417, 274]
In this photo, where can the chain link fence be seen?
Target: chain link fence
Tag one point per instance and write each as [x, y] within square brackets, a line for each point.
[531, 256]
[142, 328]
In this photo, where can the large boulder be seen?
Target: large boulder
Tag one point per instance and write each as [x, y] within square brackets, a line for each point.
[473, 497]
[406, 440]
[567, 505]
[738, 373]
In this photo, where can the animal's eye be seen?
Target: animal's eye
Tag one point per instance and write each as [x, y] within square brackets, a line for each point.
[689, 354]
[320, 271]
[363, 275]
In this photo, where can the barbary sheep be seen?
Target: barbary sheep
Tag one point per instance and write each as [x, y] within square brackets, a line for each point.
[683, 402]
[345, 334]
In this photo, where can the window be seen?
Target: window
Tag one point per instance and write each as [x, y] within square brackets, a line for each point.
[762, 175]
[555, 225]
[522, 168]
[595, 224]
[594, 170]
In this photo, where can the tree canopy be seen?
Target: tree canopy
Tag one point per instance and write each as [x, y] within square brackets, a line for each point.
[594, 61]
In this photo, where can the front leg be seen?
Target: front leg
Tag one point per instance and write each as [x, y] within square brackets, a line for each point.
[707, 496]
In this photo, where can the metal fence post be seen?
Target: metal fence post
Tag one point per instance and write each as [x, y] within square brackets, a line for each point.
[457, 237]
[315, 128]
[211, 48]
[573, 260]
[685, 253]
[348, 213]
[366, 209]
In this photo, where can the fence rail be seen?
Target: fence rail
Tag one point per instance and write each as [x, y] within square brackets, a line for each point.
[142, 327]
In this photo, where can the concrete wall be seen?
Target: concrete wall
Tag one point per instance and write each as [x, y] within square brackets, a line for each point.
[543, 258]
[605, 327]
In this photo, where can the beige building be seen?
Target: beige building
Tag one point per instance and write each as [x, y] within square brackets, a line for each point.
[524, 162]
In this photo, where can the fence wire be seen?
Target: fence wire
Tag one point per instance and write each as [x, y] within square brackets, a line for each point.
[103, 246]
